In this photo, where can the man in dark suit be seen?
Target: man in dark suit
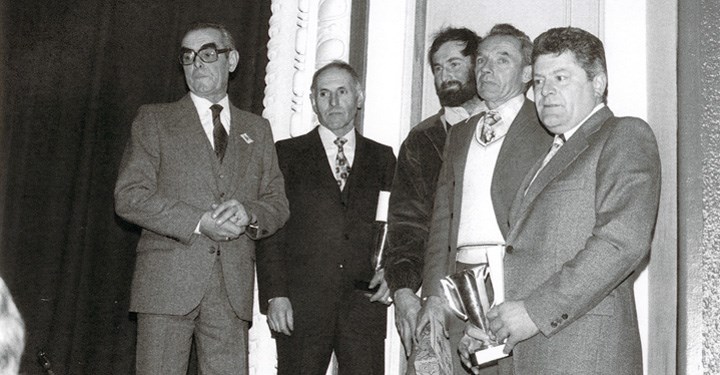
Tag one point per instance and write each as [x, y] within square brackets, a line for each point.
[201, 178]
[485, 161]
[581, 222]
[308, 271]
[452, 60]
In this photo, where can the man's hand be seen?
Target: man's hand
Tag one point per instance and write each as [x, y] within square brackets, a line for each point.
[510, 320]
[473, 340]
[433, 312]
[383, 293]
[219, 232]
[233, 211]
[407, 306]
[280, 315]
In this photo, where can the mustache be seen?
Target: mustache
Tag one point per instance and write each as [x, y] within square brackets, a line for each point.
[451, 85]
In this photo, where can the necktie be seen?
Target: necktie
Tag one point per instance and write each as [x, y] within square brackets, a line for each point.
[342, 168]
[487, 133]
[557, 143]
[220, 136]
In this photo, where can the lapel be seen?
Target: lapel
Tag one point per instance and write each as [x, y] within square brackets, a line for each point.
[517, 138]
[319, 167]
[241, 142]
[358, 168]
[562, 159]
[200, 153]
[465, 131]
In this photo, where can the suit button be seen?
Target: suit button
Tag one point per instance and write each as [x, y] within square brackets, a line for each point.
[509, 249]
[553, 324]
[451, 214]
[211, 250]
[564, 316]
[222, 195]
[346, 236]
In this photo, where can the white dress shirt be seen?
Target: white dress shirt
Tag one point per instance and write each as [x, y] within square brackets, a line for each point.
[202, 106]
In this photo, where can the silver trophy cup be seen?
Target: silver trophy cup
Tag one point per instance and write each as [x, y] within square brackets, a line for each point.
[468, 297]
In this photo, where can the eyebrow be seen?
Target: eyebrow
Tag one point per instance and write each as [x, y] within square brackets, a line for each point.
[206, 45]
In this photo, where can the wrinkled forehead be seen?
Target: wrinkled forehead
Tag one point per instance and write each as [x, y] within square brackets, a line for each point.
[335, 78]
[198, 38]
[500, 44]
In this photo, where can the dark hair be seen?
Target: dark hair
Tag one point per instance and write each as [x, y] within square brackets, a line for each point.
[227, 38]
[455, 34]
[337, 64]
[587, 48]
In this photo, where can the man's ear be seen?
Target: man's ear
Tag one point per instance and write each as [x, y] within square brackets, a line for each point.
[233, 59]
[360, 99]
[599, 84]
[527, 74]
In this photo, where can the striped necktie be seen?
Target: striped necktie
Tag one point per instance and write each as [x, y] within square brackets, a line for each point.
[220, 136]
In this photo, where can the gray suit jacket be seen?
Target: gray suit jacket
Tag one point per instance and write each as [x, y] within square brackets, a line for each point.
[169, 176]
[525, 142]
[579, 233]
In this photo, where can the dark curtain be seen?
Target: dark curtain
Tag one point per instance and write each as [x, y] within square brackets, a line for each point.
[75, 72]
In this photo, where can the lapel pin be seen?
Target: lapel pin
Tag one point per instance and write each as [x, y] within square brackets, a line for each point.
[246, 138]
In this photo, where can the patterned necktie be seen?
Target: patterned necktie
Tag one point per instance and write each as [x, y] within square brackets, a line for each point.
[557, 143]
[487, 133]
[220, 136]
[342, 168]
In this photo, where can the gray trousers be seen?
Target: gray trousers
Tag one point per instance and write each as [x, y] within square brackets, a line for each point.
[221, 338]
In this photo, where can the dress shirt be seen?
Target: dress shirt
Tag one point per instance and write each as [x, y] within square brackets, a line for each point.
[454, 115]
[331, 149]
[202, 106]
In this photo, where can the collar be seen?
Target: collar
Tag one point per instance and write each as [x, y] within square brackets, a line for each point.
[328, 138]
[202, 104]
[454, 115]
[572, 131]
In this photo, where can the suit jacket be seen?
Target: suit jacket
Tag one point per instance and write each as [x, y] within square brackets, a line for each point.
[326, 244]
[525, 142]
[411, 202]
[169, 176]
[578, 235]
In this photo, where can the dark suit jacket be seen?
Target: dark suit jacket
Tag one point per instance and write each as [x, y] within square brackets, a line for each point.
[326, 244]
[583, 228]
[411, 202]
[525, 142]
[169, 176]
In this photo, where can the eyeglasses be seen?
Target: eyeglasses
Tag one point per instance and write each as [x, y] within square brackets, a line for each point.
[208, 54]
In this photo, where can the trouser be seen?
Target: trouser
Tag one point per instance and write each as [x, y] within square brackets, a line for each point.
[221, 338]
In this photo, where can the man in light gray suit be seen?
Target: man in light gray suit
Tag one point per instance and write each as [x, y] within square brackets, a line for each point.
[484, 163]
[581, 223]
[201, 178]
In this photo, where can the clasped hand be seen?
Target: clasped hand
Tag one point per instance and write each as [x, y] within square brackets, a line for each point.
[225, 221]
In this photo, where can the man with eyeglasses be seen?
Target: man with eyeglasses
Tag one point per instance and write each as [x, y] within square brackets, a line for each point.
[201, 178]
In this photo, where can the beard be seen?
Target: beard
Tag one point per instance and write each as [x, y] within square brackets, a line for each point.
[455, 93]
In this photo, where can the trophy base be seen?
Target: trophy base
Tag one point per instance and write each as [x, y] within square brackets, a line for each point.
[490, 354]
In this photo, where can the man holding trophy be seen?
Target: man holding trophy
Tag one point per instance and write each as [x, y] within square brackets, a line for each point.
[581, 223]
[485, 161]
[317, 276]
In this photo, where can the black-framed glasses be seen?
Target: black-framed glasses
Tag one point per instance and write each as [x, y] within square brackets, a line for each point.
[207, 53]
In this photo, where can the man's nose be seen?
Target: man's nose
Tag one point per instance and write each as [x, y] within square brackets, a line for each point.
[334, 99]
